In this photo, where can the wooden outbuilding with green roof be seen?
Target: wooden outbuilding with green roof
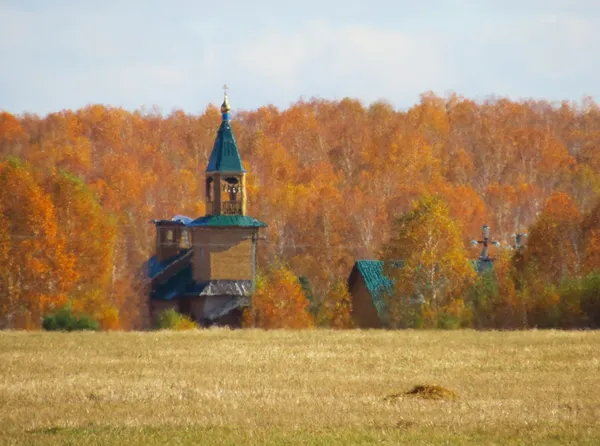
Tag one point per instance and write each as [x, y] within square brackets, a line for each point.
[370, 289]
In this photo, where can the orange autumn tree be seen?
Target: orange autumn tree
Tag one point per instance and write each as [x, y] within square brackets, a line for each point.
[12, 135]
[465, 206]
[278, 301]
[90, 235]
[36, 270]
[554, 254]
[591, 232]
[555, 248]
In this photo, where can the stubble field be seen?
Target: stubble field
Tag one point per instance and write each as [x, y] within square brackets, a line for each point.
[299, 387]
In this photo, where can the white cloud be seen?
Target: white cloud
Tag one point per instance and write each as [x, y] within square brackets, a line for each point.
[551, 48]
[324, 59]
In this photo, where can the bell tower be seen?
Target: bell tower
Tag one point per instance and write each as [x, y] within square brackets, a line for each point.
[225, 174]
[206, 267]
[224, 240]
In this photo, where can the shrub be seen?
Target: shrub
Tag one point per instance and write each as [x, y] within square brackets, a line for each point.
[65, 320]
[590, 299]
[172, 320]
[481, 298]
[335, 311]
[278, 301]
[458, 315]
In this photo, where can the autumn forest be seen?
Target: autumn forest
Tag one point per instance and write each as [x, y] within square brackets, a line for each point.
[335, 181]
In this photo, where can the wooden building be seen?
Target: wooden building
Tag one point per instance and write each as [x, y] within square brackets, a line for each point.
[369, 286]
[205, 267]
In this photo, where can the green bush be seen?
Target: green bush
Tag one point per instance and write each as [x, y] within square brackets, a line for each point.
[172, 320]
[411, 315]
[590, 299]
[481, 297]
[65, 320]
[446, 321]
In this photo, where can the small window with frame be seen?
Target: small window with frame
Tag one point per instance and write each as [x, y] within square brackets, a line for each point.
[184, 242]
[169, 236]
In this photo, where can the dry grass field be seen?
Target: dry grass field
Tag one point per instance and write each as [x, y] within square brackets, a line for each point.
[299, 387]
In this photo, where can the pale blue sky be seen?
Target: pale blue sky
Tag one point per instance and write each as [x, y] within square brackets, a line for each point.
[177, 54]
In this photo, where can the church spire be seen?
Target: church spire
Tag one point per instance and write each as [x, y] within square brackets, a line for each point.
[225, 173]
[225, 156]
[225, 108]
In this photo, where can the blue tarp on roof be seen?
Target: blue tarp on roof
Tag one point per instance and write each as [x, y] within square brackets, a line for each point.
[154, 267]
[175, 286]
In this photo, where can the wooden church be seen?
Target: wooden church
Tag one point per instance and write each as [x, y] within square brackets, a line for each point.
[205, 268]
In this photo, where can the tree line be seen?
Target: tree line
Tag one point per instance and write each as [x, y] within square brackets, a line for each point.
[336, 181]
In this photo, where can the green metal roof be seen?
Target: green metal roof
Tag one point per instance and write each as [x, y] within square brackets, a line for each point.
[377, 283]
[227, 221]
[225, 156]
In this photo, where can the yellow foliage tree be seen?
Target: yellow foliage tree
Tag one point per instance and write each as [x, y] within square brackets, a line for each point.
[278, 302]
[89, 235]
[335, 310]
[435, 268]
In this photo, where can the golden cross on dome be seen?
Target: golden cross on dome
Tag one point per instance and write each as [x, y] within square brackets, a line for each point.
[225, 105]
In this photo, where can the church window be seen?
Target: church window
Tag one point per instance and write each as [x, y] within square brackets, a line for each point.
[185, 239]
[209, 182]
